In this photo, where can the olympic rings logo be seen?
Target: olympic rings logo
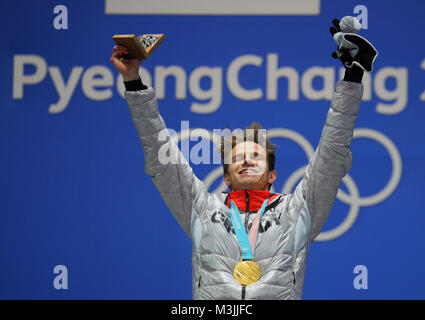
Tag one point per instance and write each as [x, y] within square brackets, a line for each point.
[353, 198]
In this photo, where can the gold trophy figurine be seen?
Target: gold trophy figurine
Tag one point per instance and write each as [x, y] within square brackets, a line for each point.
[140, 47]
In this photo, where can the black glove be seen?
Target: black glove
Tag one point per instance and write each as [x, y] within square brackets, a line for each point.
[353, 49]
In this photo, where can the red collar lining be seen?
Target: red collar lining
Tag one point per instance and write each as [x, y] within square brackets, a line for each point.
[255, 199]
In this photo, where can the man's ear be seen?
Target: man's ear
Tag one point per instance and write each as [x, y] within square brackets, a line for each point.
[226, 178]
[272, 176]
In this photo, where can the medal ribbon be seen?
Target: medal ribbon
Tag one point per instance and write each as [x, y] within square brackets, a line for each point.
[241, 235]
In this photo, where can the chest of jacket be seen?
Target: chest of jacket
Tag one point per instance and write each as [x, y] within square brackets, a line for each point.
[217, 236]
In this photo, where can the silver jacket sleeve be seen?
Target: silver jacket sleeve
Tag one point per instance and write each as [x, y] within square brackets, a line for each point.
[332, 158]
[172, 175]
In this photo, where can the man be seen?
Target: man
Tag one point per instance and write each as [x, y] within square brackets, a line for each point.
[251, 244]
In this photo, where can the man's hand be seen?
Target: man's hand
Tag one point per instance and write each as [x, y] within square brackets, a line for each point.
[129, 68]
[353, 50]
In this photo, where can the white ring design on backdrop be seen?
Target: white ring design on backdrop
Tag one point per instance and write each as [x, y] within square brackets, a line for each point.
[352, 199]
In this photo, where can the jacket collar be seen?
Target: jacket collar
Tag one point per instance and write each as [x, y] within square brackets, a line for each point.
[249, 200]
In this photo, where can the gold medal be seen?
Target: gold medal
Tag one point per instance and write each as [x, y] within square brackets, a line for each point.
[247, 272]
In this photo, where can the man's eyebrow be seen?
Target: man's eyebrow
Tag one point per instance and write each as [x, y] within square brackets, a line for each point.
[255, 153]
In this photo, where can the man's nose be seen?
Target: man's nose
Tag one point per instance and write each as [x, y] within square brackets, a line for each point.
[248, 159]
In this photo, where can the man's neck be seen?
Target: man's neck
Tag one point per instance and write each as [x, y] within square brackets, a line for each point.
[265, 188]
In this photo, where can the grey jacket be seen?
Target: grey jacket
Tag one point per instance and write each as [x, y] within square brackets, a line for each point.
[294, 220]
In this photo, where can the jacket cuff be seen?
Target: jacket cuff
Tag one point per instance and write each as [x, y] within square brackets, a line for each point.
[134, 85]
[354, 74]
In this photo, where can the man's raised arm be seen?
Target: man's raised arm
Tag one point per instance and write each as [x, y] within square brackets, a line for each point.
[315, 194]
[332, 158]
[181, 190]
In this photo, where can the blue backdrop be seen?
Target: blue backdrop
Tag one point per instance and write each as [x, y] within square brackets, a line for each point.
[73, 188]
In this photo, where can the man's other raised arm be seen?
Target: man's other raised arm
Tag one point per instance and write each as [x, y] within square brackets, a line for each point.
[332, 159]
[181, 190]
[315, 194]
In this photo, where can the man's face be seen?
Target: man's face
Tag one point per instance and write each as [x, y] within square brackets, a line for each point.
[248, 168]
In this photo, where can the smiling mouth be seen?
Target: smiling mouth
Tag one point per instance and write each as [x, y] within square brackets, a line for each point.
[248, 171]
